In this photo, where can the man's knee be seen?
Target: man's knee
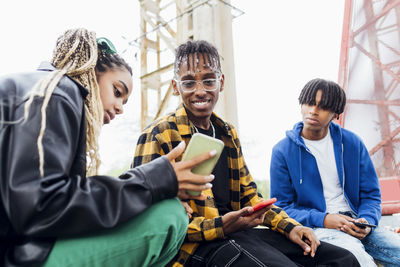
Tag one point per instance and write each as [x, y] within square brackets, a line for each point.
[339, 255]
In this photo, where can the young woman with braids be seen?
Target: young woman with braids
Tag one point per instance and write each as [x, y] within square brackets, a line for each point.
[55, 209]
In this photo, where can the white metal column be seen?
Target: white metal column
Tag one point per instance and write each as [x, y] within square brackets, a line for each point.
[165, 25]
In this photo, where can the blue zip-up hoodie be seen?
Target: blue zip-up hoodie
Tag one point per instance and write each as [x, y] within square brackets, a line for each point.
[296, 183]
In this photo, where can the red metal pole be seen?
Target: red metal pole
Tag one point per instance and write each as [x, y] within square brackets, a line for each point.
[344, 50]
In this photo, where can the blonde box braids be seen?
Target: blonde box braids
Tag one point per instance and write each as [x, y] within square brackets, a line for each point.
[75, 55]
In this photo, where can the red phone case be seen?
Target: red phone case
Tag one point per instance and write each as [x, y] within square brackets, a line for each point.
[263, 204]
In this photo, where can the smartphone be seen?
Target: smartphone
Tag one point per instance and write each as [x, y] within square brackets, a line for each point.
[262, 204]
[200, 144]
[363, 225]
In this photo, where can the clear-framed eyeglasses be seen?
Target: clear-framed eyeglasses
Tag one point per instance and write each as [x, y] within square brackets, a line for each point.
[209, 85]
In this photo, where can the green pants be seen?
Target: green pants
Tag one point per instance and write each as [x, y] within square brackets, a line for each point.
[151, 239]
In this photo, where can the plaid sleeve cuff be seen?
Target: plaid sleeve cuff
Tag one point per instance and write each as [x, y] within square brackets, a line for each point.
[218, 227]
[289, 228]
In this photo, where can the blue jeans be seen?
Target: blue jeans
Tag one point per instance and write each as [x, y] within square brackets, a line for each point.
[381, 245]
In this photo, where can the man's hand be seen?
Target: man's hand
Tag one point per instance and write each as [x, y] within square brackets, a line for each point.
[337, 221]
[237, 220]
[356, 231]
[344, 223]
[186, 179]
[305, 238]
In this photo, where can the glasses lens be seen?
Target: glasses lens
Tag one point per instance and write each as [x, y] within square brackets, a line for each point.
[210, 84]
[188, 84]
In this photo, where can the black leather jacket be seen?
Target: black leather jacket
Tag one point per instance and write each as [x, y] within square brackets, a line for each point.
[35, 211]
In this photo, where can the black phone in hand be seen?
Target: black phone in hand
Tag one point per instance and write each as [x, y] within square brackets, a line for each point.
[363, 225]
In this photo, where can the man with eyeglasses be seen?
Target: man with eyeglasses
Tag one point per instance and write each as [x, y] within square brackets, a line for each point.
[221, 229]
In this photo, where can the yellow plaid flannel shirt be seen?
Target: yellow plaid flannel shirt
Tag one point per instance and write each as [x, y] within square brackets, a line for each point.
[206, 224]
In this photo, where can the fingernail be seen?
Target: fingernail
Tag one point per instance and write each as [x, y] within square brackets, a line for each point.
[208, 185]
[212, 177]
[213, 152]
[182, 143]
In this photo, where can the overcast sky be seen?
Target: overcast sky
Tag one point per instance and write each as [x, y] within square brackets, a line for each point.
[278, 47]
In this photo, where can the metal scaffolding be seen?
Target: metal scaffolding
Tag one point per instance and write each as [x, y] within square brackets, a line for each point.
[369, 72]
[166, 24]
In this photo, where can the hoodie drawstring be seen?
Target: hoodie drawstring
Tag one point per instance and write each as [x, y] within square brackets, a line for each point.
[301, 169]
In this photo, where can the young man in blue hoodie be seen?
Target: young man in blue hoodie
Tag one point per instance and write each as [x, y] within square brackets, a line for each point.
[323, 177]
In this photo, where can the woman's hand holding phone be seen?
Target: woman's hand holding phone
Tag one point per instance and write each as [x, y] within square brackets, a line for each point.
[186, 179]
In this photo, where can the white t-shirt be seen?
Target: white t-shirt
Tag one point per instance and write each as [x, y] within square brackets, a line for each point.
[323, 152]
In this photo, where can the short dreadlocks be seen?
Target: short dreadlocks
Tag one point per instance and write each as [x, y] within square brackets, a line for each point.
[333, 96]
[195, 49]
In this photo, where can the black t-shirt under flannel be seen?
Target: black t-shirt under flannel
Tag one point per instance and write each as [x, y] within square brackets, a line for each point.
[220, 184]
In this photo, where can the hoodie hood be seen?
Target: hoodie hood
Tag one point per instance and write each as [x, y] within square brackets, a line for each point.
[295, 134]
[335, 131]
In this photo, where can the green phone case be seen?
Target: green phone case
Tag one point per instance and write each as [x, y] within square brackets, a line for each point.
[200, 144]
